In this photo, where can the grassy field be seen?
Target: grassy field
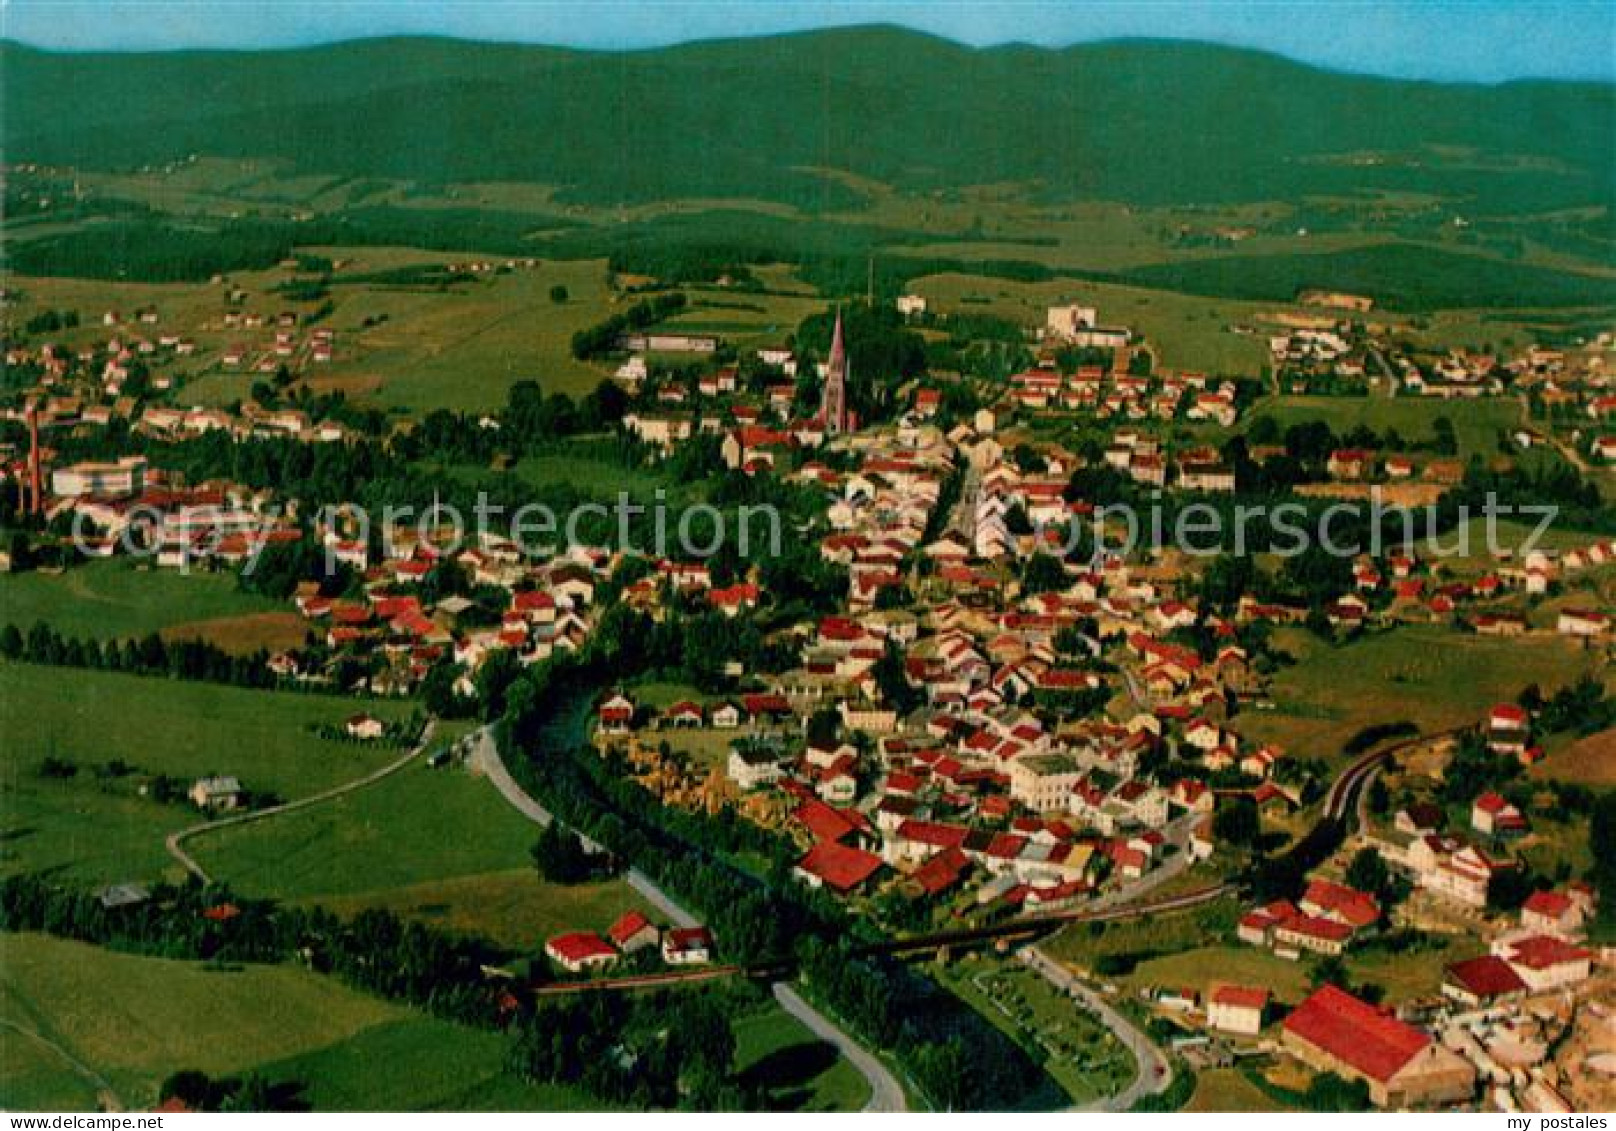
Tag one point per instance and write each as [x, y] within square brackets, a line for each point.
[462, 348]
[407, 347]
[1477, 556]
[513, 907]
[1227, 1089]
[801, 1072]
[99, 828]
[1243, 965]
[1413, 973]
[1429, 675]
[749, 320]
[437, 845]
[115, 598]
[133, 1020]
[1073, 1046]
[1190, 332]
[1081, 945]
[420, 1064]
[1591, 760]
[1476, 424]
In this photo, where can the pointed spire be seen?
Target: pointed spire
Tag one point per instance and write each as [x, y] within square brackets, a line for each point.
[833, 404]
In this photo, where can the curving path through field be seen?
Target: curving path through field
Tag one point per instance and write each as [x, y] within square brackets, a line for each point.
[106, 1094]
[176, 841]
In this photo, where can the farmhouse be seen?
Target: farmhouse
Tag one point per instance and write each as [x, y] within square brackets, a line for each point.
[216, 793]
[687, 946]
[633, 932]
[1545, 962]
[580, 951]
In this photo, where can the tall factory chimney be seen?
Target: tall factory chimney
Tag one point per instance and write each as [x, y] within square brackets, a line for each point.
[36, 487]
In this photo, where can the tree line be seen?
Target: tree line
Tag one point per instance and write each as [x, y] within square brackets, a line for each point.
[761, 915]
[616, 1048]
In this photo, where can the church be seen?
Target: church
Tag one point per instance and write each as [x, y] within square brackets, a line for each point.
[833, 411]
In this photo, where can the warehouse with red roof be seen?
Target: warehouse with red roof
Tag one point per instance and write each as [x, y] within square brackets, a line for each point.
[1403, 1067]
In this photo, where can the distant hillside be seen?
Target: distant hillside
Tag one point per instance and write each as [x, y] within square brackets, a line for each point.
[1145, 122]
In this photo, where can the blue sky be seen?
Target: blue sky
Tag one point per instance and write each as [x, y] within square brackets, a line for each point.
[1481, 40]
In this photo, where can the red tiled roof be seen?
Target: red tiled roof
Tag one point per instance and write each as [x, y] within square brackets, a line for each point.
[1314, 927]
[942, 871]
[1550, 903]
[579, 946]
[1353, 907]
[839, 866]
[1543, 951]
[631, 924]
[1242, 997]
[688, 938]
[1355, 1032]
[1485, 977]
[933, 833]
[766, 704]
[822, 822]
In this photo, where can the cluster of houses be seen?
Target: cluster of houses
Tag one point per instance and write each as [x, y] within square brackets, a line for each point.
[585, 952]
[1326, 920]
[1497, 1023]
[1109, 394]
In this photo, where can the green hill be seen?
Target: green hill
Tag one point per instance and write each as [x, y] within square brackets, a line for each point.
[1141, 121]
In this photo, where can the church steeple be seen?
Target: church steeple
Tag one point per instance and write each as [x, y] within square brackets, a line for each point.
[833, 408]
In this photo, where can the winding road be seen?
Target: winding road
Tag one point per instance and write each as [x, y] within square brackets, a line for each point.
[886, 1094]
[176, 841]
[1155, 1071]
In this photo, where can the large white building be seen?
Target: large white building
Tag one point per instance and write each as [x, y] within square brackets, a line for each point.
[125, 477]
[1044, 782]
[1067, 322]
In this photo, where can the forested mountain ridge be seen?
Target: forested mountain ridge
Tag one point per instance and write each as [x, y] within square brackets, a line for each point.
[1148, 122]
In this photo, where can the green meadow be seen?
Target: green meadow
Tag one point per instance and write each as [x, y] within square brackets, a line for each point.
[96, 825]
[438, 845]
[1431, 676]
[116, 598]
[75, 1014]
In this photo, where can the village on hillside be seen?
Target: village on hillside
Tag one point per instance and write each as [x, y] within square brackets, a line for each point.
[977, 717]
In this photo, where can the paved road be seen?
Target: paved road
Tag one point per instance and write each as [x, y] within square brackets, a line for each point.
[886, 1095]
[884, 1089]
[485, 759]
[1155, 1070]
[176, 841]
